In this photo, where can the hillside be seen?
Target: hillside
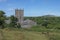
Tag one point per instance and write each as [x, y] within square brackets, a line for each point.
[47, 28]
[53, 21]
[22, 35]
[7, 34]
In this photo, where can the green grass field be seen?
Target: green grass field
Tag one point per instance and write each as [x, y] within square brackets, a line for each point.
[22, 35]
[6, 34]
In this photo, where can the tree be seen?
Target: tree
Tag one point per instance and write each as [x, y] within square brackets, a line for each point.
[2, 19]
[18, 25]
[46, 22]
[13, 22]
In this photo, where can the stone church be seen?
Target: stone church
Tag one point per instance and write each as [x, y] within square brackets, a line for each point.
[19, 14]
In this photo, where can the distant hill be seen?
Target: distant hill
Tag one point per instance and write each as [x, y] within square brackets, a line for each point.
[49, 16]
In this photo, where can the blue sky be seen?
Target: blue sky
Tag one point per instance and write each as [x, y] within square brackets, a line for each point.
[31, 7]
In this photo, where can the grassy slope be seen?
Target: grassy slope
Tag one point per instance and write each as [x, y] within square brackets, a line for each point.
[26, 35]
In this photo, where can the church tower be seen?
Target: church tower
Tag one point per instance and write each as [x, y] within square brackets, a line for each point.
[19, 14]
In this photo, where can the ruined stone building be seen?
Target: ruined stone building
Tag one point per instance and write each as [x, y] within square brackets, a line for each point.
[19, 14]
[28, 23]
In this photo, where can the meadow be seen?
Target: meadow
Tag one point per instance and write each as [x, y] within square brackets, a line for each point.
[25, 34]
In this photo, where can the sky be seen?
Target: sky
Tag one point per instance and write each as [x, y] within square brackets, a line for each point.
[31, 7]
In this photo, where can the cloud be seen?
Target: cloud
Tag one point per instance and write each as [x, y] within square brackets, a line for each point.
[10, 9]
[3, 0]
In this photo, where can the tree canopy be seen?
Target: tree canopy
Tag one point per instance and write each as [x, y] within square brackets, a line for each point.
[2, 19]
